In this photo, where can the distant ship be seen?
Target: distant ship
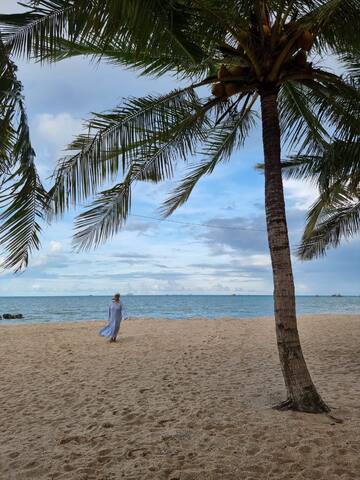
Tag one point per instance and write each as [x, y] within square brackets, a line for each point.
[336, 295]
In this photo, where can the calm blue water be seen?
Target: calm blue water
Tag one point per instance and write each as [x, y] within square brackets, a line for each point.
[73, 309]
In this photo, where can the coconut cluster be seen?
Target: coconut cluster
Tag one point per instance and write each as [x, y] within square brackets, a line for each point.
[231, 79]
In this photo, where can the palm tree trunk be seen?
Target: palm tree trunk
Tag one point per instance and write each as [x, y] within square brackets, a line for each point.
[302, 394]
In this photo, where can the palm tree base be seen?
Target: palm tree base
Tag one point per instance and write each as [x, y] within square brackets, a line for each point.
[317, 406]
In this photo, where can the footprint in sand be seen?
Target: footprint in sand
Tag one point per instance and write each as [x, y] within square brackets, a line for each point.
[72, 438]
[108, 425]
[14, 454]
[137, 452]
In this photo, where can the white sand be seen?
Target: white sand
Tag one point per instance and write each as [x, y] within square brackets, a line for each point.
[175, 400]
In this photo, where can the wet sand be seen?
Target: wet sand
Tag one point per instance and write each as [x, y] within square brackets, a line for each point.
[175, 400]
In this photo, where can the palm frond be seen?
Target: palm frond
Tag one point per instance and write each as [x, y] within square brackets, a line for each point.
[23, 199]
[334, 217]
[333, 21]
[335, 105]
[221, 141]
[118, 138]
[338, 161]
[35, 32]
[23, 208]
[139, 27]
[154, 163]
[335, 214]
[300, 125]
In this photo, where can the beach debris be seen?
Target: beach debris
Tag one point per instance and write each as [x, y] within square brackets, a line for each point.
[12, 316]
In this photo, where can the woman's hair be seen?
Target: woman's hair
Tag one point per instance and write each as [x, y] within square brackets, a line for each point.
[117, 295]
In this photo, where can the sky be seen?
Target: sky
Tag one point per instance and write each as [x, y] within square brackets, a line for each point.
[181, 256]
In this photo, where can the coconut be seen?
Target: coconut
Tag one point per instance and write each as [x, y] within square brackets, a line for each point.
[223, 72]
[306, 41]
[218, 90]
[266, 30]
[231, 88]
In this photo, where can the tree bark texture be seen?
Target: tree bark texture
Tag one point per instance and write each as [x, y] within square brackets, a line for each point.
[302, 394]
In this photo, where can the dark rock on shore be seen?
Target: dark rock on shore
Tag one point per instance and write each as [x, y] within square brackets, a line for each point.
[10, 316]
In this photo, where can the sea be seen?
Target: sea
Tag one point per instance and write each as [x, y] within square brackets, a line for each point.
[174, 307]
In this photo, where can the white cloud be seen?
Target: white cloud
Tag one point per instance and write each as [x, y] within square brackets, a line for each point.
[57, 129]
[260, 260]
[53, 251]
[55, 247]
[302, 194]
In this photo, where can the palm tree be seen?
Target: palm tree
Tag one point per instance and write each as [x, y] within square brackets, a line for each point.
[236, 54]
[23, 200]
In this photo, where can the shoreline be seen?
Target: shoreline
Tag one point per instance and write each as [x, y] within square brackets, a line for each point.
[319, 316]
[181, 400]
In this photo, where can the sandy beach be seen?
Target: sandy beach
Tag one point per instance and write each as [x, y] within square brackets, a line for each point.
[175, 400]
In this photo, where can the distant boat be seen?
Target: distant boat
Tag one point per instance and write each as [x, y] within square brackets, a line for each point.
[336, 295]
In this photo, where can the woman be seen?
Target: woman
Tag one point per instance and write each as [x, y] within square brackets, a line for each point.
[111, 329]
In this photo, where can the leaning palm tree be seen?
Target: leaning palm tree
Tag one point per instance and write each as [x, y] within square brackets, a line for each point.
[236, 54]
[23, 200]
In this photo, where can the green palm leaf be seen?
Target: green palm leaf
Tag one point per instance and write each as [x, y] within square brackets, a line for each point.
[334, 217]
[219, 145]
[23, 199]
[23, 208]
[116, 139]
[153, 161]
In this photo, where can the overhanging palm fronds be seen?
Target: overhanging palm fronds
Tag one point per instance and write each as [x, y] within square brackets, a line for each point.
[333, 218]
[138, 130]
[299, 119]
[335, 214]
[152, 161]
[315, 105]
[137, 29]
[23, 199]
[244, 47]
[23, 208]
[221, 140]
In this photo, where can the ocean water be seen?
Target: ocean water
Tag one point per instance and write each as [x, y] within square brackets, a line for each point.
[85, 308]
